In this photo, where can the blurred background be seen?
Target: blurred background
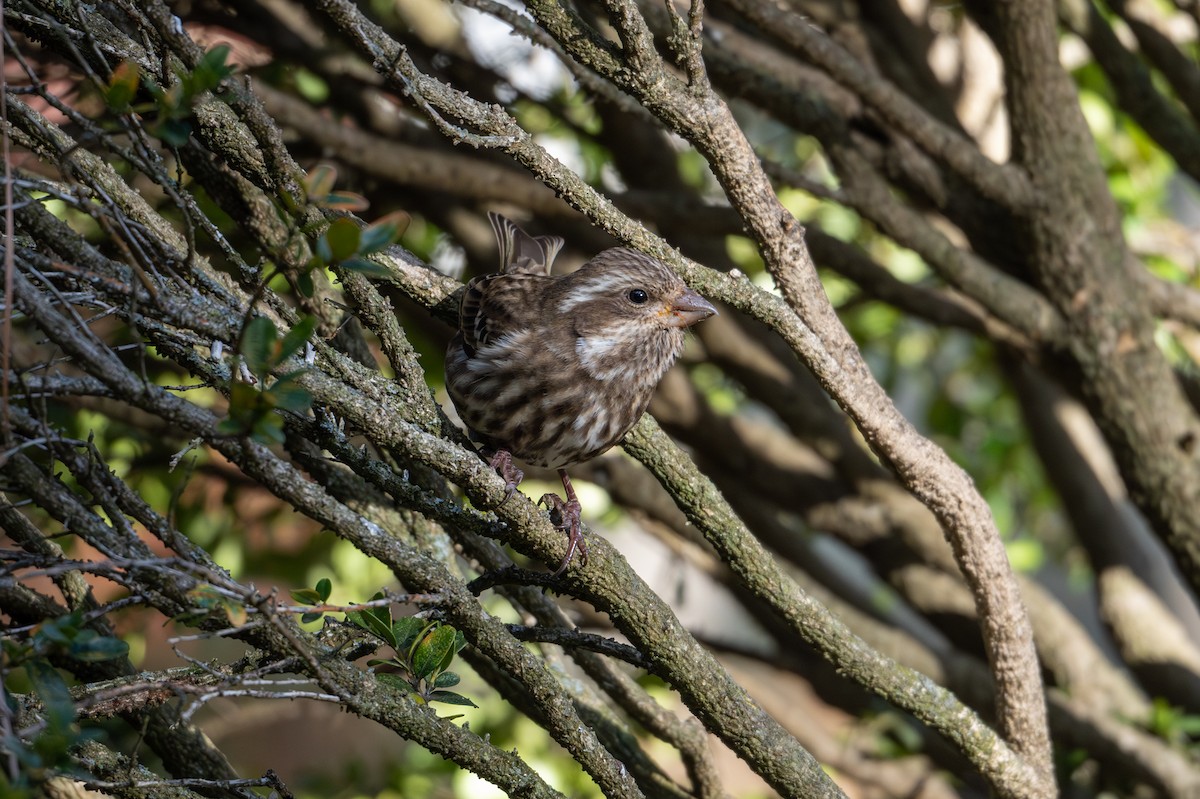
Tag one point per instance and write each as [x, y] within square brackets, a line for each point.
[1116, 623]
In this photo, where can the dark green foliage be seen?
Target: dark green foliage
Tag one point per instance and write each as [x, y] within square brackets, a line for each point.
[424, 651]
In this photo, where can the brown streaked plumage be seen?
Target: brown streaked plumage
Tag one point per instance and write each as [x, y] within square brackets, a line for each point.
[553, 371]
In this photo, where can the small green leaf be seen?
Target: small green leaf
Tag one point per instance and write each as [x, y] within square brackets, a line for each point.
[368, 268]
[432, 650]
[122, 87]
[292, 376]
[295, 338]
[375, 238]
[447, 679]
[287, 396]
[319, 182]
[311, 87]
[407, 630]
[304, 283]
[307, 596]
[268, 429]
[155, 90]
[451, 651]
[211, 70]
[311, 617]
[372, 624]
[258, 345]
[324, 252]
[1189, 725]
[383, 232]
[451, 698]
[52, 689]
[382, 612]
[230, 427]
[324, 588]
[394, 681]
[58, 631]
[173, 132]
[244, 397]
[95, 648]
[460, 641]
[345, 201]
[343, 236]
[247, 408]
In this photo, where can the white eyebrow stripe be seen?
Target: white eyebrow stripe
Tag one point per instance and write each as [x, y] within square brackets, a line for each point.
[584, 293]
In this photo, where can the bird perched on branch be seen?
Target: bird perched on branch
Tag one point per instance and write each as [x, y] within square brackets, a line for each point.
[552, 371]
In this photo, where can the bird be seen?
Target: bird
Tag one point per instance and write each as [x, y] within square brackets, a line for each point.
[553, 370]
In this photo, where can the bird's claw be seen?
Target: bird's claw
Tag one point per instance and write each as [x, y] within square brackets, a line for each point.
[502, 461]
[568, 513]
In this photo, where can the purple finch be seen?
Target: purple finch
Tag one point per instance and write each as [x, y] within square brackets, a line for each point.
[553, 371]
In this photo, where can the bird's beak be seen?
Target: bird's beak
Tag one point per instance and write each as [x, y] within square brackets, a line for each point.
[688, 309]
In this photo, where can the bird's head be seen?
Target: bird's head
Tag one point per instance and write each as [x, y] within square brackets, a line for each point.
[628, 310]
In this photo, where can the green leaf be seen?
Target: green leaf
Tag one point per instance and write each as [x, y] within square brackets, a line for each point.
[382, 612]
[154, 90]
[173, 132]
[90, 647]
[1189, 725]
[395, 681]
[432, 650]
[372, 624]
[311, 617]
[407, 630]
[244, 397]
[307, 596]
[288, 396]
[375, 238]
[304, 283]
[52, 689]
[295, 338]
[451, 698]
[343, 236]
[324, 588]
[324, 251]
[258, 345]
[246, 408]
[319, 182]
[368, 268]
[211, 70]
[122, 87]
[345, 201]
[58, 631]
[448, 658]
[312, 87]
[268, 429]
[447, 679]
[292, 376]
[383, 232]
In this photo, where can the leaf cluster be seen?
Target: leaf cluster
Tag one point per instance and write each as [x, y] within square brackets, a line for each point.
[171, 108]
[47, 752]
[424, 651]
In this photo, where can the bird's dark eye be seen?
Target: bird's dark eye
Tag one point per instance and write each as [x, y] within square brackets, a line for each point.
[638, 296]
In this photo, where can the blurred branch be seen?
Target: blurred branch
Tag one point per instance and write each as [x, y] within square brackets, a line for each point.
[808, 619]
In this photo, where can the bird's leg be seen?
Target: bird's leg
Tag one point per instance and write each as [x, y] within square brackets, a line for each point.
[502, 461]
[568, 515]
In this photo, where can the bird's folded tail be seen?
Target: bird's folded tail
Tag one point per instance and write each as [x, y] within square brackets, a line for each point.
[521, 253]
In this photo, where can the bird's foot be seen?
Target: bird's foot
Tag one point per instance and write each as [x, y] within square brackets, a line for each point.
[502, 461]
[566, 516]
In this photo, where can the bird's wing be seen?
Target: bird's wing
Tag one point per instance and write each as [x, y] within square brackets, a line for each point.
[521, 253]
[496, 305]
